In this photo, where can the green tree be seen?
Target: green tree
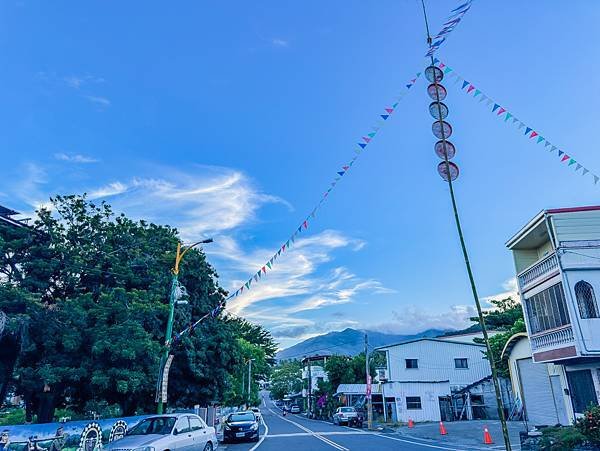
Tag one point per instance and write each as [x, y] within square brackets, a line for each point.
[92, 298]
[286, 378]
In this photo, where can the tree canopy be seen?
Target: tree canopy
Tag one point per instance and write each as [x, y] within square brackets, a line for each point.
[86, 293]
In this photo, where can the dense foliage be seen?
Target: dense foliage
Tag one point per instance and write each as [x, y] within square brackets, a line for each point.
[286, 379]
[86, 293]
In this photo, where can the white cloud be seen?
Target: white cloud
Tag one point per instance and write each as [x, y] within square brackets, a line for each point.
[75, 158]
[101, 102]
[414, 319]
[510, 289]
[110, 190]
[77, 81]
[278, 42]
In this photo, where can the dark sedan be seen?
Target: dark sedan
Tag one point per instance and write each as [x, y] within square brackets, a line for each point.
[241, 426]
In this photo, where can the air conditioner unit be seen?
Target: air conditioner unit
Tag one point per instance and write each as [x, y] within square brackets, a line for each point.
[381, 375]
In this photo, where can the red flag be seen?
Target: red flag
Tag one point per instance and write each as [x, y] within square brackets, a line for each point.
[389, 110]
[533, 134]
[366, 139]
[264, 269]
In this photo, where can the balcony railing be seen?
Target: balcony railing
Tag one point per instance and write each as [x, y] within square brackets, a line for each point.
[556, 338]
[537, 270]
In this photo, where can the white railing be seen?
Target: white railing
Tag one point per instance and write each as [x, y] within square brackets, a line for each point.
[539, 269]
[556, 338]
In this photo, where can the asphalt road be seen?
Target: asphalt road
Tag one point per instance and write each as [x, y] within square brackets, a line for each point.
[297, 433]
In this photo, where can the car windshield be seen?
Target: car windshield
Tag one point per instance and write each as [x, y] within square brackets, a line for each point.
[156, 425]
[347, 409]
[245, 416]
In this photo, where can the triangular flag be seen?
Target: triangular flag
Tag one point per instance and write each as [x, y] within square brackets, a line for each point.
[585, 171]
[256, 277]
[572, 162]
[269, 263]
[446, 70]
[565, 157]
[279, 251]
[241, 289]
[477, 92]
[341, 172]
[375, 128]
[483, 97]
[527, 130]
[363, 145]
[470, 88]
[418, 74]
[547, 143]
[508, 116]
[436, 60]
[595, 179]
[283, 248]
[305, 224]
[578, 167]
[345, 168]
[515, 120]
[367, 140]
[389, 110]
[560, 152]
[465, 84]
[500, 111]
[458, 79]
[540, 139]
[384, 116]
[496, 106]
[247, 285]
[521, 125]
[489, 101]
[413, 81]
[533, 134]
[408, 86]
[395, 105]
[299, 229]
[442, 65]
[371, 135]
[552, 149]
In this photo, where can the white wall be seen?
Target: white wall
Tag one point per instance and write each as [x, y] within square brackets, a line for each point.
[436, 362]
[576, 226]
[429, 394]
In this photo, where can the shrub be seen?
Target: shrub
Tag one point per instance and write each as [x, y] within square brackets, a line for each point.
[561, 438]
[12, 416]
[589, 425]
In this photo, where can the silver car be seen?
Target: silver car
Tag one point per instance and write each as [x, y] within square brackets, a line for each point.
[181, 432]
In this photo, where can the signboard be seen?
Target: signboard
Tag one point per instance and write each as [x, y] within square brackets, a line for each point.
[165, 378]
[369, 386]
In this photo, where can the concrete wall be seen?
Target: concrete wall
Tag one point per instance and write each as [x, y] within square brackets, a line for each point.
[429, 394]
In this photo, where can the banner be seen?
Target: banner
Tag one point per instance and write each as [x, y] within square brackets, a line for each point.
[456, 16]
[359, 148]
[533, 135]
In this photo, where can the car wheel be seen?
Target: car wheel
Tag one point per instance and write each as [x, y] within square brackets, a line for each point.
[209, 446]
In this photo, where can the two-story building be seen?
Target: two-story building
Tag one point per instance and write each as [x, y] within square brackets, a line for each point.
[422, 375]
[313, 372]
[557, 261]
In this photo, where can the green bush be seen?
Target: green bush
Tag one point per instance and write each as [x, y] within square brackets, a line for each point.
[589, 425]
[12, 416]
[561, 438]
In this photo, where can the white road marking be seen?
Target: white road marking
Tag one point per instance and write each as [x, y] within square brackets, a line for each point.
[312, 433]
[266, 431]
[304, 434]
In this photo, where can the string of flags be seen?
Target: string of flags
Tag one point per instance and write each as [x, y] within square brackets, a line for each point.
[358, 149]
[508, 117]
[456, 16]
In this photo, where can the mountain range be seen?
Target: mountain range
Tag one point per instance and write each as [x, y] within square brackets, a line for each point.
[348, 342]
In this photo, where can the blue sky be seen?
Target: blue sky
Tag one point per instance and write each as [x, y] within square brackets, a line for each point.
[228, 119]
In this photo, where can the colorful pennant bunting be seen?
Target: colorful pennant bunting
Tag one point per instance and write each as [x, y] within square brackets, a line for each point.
[500, 111]
[364, 142]
[456, 16]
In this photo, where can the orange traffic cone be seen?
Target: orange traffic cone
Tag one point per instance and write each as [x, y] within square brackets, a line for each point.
[487, 437]
[411, 424]
[443, 430]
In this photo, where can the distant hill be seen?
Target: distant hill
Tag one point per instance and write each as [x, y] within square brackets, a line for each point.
[348, 342]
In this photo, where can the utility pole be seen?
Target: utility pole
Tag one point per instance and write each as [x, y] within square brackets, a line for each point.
[368, 391]
[309, 389]
[249, 380]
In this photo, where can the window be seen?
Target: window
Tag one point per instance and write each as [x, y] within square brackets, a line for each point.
[195, 423]
[586, 300]
[412, 363]
[461, 363]
[547, 309]
[182, 425]
[413, 403]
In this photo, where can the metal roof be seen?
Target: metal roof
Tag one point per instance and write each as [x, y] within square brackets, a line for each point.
[512, 341]
[429, 339]
[4, 211]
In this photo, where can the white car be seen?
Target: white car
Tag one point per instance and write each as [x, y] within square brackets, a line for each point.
[344, 415]
[182, 431]
[257, 414]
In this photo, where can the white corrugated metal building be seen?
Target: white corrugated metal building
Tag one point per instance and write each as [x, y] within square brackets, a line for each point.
[422, 374]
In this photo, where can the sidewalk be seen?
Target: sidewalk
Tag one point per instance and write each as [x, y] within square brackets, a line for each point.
[466, 433]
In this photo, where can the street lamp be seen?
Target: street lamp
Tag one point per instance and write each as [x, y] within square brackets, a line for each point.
[165, 362]
[250, 379]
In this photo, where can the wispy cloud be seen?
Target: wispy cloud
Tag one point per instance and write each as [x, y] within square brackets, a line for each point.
[415, 319]
[510, 289]
[279, 42]
[75, 158]
[77, 81]
[100, 102]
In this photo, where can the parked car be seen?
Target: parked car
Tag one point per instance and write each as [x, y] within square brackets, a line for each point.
[344, 415]
[241, 426]
[279, 403]
[295, 409]
[257, 414]
[168, 432]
